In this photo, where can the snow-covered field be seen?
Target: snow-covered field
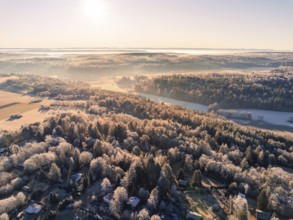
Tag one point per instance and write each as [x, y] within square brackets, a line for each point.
[188, 105]
[15, 103]
[270, 117]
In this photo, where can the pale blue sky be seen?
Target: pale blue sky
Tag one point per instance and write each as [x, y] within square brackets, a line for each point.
[263, 24]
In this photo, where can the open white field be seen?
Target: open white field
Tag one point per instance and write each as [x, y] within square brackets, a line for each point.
[28, 117]
[19, 108]
[14, 103]
[170, 101]
[271, 119]
[7, 98]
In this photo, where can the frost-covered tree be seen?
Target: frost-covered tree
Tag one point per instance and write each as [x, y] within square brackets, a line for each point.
[54, 173]
[11, 186]
[153, 171]
[39, 161]
[120, 198]
[106, 185]
[188, 165]
[85, 158]
[12, 202]
[244, 164]
[153, 200]
[4, 216]
[143, 214]
[143, 194]
[242, 214]
[97, 167]
[164, 186]
[155, 217]
[262, 200]
[168, 173]
[196, 178]
[130, 180]
[181, 175]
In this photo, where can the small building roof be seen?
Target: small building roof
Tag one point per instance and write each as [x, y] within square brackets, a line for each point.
[216, 207]
[133, 201]
[183, 182]
[25, 188]
[2, 150]
[261, 215]
[193, 215]
[76, 177]
[20, 166]
[34, 208]
[242, 195]
[107, 198]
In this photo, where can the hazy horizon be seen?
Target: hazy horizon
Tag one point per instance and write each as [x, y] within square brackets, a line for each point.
[137, 48]
[209, 24]
[145, 48]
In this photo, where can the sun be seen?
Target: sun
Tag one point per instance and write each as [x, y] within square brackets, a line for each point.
[95, 9]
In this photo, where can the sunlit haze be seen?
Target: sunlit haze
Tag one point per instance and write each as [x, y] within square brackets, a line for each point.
[262, 24]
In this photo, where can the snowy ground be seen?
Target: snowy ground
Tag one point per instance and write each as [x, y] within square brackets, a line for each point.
[269, 117]
[188, 105]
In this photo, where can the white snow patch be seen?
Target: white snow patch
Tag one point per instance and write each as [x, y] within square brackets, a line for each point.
[271, 117]
[170, 101]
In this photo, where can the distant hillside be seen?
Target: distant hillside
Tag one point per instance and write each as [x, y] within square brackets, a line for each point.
[268, 91]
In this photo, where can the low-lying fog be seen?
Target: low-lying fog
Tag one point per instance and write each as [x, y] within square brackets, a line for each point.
[92, 64]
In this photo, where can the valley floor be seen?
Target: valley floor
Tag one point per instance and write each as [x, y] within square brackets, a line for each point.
[272, 120]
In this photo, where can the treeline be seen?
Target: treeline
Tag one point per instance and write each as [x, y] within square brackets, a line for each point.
[48, 87]
[270, 91]
[138, 147]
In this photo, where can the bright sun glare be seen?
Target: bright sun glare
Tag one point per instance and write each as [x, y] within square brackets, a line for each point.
[95, 9]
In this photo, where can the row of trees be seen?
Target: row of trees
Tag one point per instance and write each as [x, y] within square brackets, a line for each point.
[271, 91]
